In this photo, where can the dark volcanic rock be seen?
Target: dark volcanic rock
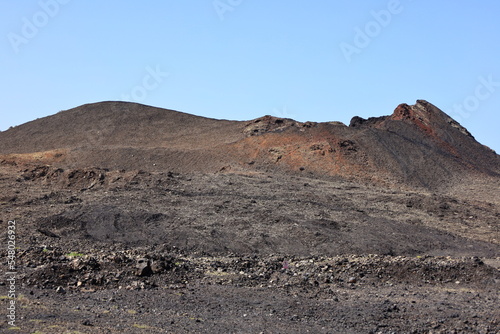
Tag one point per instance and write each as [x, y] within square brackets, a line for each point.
[144, 267]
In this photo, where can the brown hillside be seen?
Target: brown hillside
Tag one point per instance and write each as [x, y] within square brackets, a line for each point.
[417, 145]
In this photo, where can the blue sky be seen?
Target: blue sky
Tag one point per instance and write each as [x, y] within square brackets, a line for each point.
[322, 60]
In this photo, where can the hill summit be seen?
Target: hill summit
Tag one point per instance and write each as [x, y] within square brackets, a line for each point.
[418, 145]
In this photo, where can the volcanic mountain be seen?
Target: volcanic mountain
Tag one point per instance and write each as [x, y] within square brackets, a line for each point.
[418, 145]
[135, 219]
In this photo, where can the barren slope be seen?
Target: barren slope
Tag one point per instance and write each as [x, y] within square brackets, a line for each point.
[416, 146]
[134, 219]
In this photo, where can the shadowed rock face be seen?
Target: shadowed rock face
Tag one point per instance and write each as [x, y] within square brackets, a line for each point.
[417, 145]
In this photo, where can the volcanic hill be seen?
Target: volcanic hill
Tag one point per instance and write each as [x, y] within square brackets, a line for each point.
[135, 219]
[417, 145]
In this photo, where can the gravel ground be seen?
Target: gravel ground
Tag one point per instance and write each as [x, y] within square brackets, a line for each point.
[113, 251]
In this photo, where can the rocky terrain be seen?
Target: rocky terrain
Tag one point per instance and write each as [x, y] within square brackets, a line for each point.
[134, 219]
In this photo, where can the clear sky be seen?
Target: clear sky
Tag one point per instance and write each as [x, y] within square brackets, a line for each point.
[324, 60]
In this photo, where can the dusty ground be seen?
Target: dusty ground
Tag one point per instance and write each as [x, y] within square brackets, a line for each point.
[116, 251]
